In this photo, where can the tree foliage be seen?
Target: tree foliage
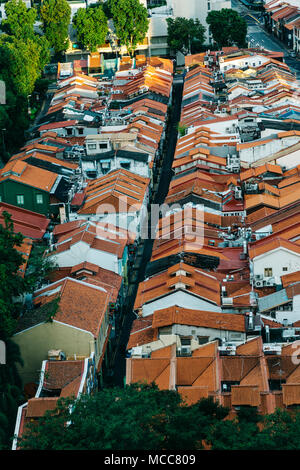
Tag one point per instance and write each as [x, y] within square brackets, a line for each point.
[130, 20]
[142, 417]
[227, 27]
[19, 20]
[11, 284]
[91, 26]
[55, 16]
[23, 55]
[11, 395]
[138, 417]
[22, 63]
[185, 35]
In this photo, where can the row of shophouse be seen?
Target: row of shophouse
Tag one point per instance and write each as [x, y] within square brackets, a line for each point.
[282, 19]
[217, 312]
[80, 187]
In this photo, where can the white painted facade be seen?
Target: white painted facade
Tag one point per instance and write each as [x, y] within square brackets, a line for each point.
[102, 167]
[82, 252]
[267, 148]
[222, 127]
[280, 261]
[241, 62]
[180, 298]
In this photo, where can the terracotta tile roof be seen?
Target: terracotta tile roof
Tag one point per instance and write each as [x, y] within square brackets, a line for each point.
[252, 347]
[270, 322]
[81, 305]
[290, 278]
[62, 229]
[176, 315]
[57, 125]
[21, 158]
[260, 170]
[155, 370]
[200, 283]
[197, 371]
[96, 237]
[266, 245]
[72, 388]
[61, 373]
[291, 394]
[37, 407]
[146, 329]
[121, 188]
[245, 395]
[29, 175]
[30, 224]
[25, 250]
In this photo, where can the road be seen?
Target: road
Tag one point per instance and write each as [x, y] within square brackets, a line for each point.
[258, 36]
[145, 249]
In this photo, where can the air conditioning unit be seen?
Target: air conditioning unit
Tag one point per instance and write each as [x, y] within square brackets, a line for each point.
[288, 333]
[272, 349]
[56, 355]
[227, 350]
[258, 283]
[227, 300]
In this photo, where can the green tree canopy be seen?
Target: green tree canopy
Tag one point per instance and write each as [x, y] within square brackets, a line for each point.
[227, 27]
[11, 395]
[130, 20]
[153, 419]
[185, 35]
[136, 417]
[11, 284]
[19, 21]
[91, 26]
[55, 16]
[21, 63]
[281, 431]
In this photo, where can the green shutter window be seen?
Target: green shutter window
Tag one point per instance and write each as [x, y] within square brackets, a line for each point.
[39, 199]
[20, 199]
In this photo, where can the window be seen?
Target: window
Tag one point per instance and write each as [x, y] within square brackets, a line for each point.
[185, 341]
[203, 339]
[208, 6]
[92, 146]
[39, 199]
[126, 166]
[284, 268]
[69, 131]
[80, 130]
[20, 199]
[103, 145]
[268, 272]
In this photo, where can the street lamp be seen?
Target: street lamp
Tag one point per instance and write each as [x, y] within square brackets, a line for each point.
[28, 105]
